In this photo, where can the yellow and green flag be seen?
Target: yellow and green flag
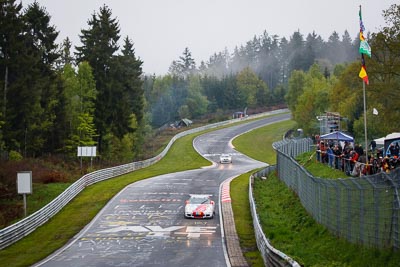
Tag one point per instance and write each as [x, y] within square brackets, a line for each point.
[365, 49]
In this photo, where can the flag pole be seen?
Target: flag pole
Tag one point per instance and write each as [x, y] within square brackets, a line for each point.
[365, 125]
[364, 49]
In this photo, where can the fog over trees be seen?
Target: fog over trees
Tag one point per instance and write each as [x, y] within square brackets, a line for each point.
[270, 60]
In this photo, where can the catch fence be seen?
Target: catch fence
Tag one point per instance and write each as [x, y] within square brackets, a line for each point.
[363, 210]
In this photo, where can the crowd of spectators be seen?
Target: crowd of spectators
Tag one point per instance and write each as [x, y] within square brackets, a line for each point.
[353, 160]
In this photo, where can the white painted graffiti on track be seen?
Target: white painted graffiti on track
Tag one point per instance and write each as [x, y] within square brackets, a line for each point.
[158, 231]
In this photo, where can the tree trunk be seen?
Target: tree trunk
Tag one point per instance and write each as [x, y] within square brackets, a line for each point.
[5, 92]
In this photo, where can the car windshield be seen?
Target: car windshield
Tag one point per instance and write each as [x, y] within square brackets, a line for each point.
[199, 200]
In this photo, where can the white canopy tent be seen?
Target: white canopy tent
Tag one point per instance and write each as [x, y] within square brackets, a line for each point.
[381, 141]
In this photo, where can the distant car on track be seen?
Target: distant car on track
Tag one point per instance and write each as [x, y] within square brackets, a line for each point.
[199, 207]
[225, 158]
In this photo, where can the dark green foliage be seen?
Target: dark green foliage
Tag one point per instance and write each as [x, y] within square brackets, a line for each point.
[99, 45]
[29, 98]
[118, 83]
[46, 107]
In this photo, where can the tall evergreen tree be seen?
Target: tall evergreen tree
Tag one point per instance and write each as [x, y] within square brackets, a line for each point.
[42, 38]
[269, 65]
[66, 56]
[11, 44]
[185, 66]
[301, 57]
[131, 77]
[127, 90]
[11, 26]
[284, 60]
[99, 45]
[31, 99]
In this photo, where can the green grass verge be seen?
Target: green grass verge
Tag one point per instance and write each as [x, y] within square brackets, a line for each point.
[284, 220]
[257, 144]
[243, 221]
[318, 169]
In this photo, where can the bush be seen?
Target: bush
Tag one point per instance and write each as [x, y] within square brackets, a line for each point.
[53, 177]
[15, 156]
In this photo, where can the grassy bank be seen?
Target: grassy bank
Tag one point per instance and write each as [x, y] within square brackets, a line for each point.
[258, 145]
[287, 224]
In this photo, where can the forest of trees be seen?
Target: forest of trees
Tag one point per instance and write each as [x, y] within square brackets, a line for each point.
[56, 97]
[53, 101]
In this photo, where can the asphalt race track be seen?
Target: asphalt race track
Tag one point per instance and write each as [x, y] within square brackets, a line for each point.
[144, 224]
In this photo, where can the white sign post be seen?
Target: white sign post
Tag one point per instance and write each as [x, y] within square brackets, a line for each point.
[24, 185]
[87, 151]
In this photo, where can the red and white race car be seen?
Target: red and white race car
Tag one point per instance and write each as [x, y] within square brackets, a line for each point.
[199, 207]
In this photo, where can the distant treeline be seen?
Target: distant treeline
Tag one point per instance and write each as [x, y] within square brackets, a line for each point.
[254, 75]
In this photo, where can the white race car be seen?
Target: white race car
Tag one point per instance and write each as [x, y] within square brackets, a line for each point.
[225, 158]
[199, 207]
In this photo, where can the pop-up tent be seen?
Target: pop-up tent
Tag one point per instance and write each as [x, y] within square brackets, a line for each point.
[337, 135]
[380, 141]
[392, 138]
[387, 140]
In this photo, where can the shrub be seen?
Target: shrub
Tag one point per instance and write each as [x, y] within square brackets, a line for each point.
[15, 156]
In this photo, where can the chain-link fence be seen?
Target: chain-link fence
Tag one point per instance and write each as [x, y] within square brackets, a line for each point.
[363, 210]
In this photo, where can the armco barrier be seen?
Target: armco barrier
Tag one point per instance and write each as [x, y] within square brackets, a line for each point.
[22, 228]
[271, 256]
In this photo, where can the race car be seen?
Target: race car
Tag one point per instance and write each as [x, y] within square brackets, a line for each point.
[199, 207]
[225, 158]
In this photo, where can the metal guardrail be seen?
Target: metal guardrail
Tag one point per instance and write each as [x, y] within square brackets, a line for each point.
[24, 227]
[270, 255]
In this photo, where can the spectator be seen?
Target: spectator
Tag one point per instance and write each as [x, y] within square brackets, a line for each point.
[373, 146]
[396, 149]
[392, 150]
[374, 165]
[386, 165]
[346, 161]
[337, 151]
[353, 159]
[322, 148]
[359, 149]
[346, 145]
[379, 153]
[331, 156]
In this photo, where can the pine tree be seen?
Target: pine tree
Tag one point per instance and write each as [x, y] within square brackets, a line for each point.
[185, 66]
[11, 26]
[99, 45]
[30, 100]
[65, 54]
[131, 77]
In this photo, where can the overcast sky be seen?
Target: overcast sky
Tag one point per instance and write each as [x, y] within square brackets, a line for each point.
[161, 29]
